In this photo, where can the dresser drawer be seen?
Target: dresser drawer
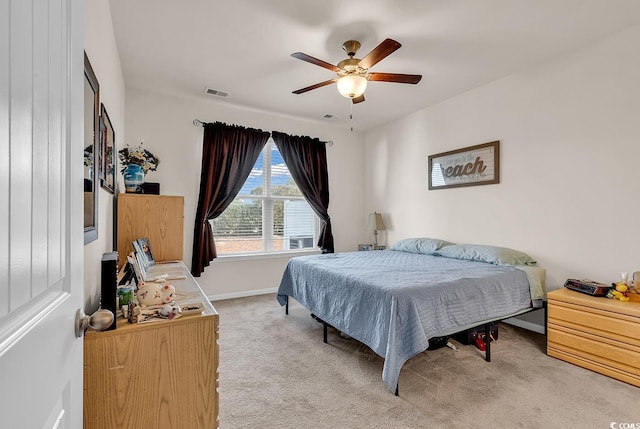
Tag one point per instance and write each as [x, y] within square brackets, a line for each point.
[604, 369]
[625, 357]
[617, 326]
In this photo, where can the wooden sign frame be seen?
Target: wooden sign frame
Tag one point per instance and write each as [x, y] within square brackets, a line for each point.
[469, 166]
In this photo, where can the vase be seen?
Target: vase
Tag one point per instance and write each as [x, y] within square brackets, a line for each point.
[133, 178]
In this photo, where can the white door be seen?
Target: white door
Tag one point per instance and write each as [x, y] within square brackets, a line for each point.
[41, 213]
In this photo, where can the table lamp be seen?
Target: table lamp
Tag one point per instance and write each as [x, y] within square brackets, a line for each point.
[375, 224]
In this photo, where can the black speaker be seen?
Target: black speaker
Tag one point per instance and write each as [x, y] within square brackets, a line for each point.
[109, 280]
[151, 188]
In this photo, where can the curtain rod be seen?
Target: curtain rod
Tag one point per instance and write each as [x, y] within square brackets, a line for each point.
[199, 123]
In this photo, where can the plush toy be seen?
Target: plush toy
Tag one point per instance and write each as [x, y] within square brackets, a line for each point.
[155, 294]
[618, 291]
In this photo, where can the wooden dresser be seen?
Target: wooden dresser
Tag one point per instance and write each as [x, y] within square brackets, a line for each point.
[596, 333]
[157, 217]
[161, 374]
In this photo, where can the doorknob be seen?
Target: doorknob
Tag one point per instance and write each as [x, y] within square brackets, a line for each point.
[100, 320]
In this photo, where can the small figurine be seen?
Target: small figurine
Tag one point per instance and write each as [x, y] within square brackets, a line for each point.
[169, 311]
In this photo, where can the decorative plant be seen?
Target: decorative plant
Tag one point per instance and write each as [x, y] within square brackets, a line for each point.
[88, 155]
[139, 156]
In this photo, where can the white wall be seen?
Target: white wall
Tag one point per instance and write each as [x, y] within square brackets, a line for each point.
[100, 46]
[164, 123]
[570, 164]
[568, 191]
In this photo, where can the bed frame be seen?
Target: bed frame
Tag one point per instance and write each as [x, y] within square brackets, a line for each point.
[487, 332]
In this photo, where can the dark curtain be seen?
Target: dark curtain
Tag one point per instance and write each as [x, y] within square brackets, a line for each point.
[228, 155]
[306, 159]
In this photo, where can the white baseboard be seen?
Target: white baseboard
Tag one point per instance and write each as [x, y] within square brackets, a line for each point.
[525, 325]
[242, 294]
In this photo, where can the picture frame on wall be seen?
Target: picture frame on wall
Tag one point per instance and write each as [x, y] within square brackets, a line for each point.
[469, 166]
[107, 151]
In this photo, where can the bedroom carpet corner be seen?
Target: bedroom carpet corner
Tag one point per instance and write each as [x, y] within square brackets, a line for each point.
[275, 372]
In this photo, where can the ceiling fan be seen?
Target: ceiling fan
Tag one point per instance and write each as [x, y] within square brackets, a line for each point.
[353, 73]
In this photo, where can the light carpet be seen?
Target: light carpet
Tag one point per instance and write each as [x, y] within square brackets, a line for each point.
[275, 372]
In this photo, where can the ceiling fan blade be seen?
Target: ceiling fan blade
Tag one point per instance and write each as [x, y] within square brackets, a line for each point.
[395, 77]
[380, 52]
[317, 85]
[312, 60]
[358, 99]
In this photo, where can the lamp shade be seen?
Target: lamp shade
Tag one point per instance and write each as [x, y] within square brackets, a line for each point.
[352, 86]
[375, 222]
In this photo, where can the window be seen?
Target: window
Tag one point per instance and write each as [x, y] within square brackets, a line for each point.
[437, 179]
[269, 214]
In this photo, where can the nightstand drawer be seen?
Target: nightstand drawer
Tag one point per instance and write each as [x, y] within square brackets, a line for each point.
[625, 357]
[605, 369]
[598, 322]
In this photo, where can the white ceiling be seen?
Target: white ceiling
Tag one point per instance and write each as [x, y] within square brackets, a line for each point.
[243, 47]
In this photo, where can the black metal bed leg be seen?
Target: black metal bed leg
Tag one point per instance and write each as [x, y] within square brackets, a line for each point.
[487, 342]
[286, 305]
[397, 389]
[324, 333]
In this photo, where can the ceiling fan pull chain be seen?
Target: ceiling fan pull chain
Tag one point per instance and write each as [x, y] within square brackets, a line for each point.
[351, 114]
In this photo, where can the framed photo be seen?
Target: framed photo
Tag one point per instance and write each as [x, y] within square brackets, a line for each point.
[107, 151]
[142, 268]
[470, 166]
[139, 254]
[145, 247]
[137, 272]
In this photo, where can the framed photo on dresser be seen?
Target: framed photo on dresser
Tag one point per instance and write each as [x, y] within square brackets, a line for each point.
[146, 250]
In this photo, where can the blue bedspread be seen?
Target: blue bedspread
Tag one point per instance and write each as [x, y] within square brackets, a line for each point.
[395, 301]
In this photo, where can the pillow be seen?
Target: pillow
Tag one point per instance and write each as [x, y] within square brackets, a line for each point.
[425, 246]
[491, 254]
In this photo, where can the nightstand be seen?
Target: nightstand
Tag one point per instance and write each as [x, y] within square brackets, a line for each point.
[596, 333]
[371, 247]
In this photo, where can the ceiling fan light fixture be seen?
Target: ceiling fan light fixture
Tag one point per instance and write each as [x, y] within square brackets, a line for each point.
[353, 73]
[352, 86]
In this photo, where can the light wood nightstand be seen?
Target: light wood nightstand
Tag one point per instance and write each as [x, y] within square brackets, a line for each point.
[596, 333]
[371, 247]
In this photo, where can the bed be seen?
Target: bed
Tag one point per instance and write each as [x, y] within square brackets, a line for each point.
[395, 300]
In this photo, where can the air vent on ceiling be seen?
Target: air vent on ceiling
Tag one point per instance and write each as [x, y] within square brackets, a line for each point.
[211, 91]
